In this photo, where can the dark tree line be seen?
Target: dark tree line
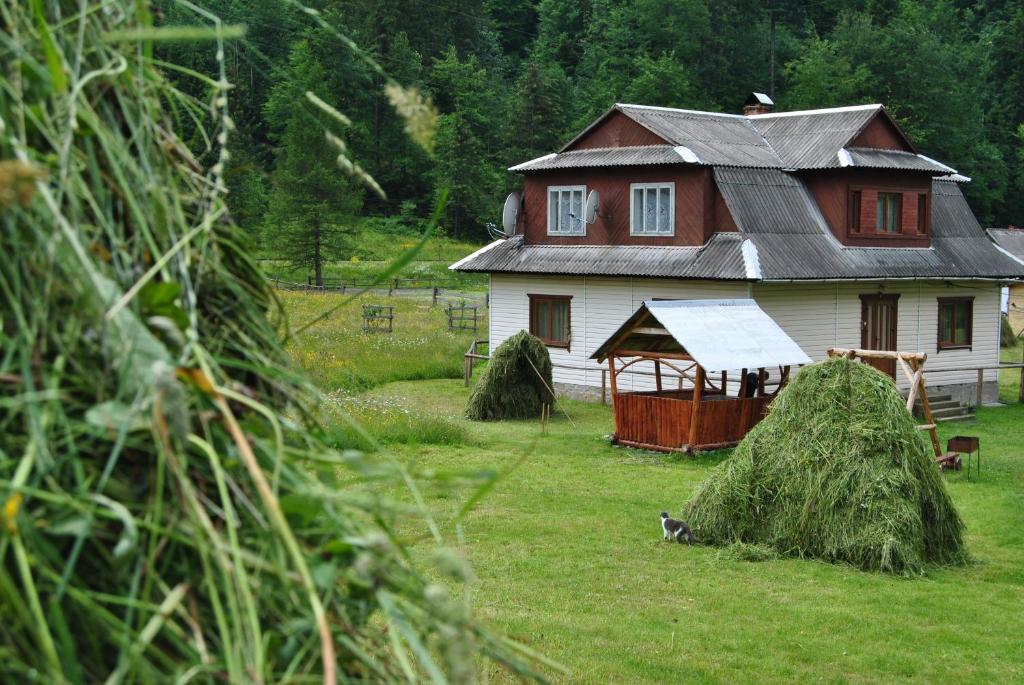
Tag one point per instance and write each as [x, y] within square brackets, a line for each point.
[515, 79]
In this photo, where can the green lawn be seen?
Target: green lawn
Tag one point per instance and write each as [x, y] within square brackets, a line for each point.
[569, 559]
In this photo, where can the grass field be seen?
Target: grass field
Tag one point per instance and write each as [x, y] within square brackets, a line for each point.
[569, 558]
[568, 554]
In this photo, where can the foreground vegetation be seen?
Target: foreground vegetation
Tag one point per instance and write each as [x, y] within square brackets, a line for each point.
[169, 512]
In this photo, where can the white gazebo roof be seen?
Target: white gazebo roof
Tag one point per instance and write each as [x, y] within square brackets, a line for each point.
[718, 334]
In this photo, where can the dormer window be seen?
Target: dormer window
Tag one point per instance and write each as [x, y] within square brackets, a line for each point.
[565, 210]
[652, 209]
[885, 213]
[888, 212]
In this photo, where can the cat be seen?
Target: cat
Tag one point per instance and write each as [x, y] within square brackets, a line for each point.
[675, 530]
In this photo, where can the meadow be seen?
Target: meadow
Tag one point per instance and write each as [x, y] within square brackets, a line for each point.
[374, 250]
[568, 556]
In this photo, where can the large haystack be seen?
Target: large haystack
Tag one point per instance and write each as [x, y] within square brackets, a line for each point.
[836, 471]
[515, 383]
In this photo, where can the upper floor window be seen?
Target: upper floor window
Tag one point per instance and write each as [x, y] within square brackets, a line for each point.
[652, 209]
[956, 315]
[565, 210]
[889, 210]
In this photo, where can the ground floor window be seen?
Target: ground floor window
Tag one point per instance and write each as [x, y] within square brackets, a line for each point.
[549, 319]
[955, 319]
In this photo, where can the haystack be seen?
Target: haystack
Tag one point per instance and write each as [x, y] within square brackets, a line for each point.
[837, 471]
[516, 382]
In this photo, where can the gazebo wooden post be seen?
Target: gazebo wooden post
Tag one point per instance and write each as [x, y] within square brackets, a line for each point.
[611, 376]
[743, 383]
[725, 380]
[657, 373]
[762, 379]
[698, 388]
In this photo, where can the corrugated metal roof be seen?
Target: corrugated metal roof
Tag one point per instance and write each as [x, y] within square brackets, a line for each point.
[769, 201]
[894, 159]
[717, 139]
[813, 139]
[718, 334]
[1009, 239]
[720, 259]
[605, 156]
[776, 212]
[810, 140]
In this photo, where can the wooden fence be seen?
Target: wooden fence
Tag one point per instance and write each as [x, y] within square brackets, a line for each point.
[462, 317]
[473, 354]
[399, 287]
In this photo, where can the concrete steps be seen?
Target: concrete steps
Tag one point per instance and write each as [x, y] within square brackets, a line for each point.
[944, 408]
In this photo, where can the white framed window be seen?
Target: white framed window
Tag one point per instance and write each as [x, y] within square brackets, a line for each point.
[565, 210]
[652, 208]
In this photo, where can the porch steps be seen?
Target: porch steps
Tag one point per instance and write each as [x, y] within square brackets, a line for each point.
[944, 408]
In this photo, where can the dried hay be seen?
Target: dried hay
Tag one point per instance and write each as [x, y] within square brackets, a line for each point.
[837, 471]
[515, 384]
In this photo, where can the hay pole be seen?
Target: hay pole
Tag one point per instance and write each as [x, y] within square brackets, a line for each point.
[912, 364]
[554, 400]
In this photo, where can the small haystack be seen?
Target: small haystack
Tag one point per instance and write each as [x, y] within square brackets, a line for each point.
[515, 383]
[836, 471]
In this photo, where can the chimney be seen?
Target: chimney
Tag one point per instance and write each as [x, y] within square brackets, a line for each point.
[758, 103]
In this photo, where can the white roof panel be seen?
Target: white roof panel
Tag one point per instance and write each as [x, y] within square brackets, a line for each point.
[727, 334]
[723, 334]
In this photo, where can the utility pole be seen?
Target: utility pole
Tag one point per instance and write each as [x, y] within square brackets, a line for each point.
[771, 59]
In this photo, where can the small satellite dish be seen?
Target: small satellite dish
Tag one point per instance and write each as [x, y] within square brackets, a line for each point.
[510, 214]
[593, 205]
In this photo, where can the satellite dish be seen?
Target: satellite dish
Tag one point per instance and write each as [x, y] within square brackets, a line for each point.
[593, 205]
[510, 214]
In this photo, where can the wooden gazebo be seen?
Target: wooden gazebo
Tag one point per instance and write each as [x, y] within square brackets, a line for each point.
[696, 343]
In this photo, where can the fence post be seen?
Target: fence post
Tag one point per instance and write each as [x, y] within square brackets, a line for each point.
[604, 380]
[981, 382]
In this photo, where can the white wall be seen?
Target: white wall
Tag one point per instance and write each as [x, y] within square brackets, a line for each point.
[598, 308]
[823, 315]
[816, 315]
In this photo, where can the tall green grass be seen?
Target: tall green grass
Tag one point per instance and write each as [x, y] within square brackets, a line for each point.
[170, 511]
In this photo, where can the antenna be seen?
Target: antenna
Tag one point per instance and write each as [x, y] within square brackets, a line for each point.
[593, 205]
[510, 213]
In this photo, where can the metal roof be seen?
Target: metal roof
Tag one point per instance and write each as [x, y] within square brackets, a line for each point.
[809, 139]
[872, 158]
[605, 156]
[720, 259]
[717, 139]
[1010, 240]
[776, 212]
[718, 334]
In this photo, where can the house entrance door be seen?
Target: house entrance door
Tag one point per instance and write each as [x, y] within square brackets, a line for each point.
[878, 328]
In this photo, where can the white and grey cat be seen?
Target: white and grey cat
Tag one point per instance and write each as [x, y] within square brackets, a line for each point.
[675, 530]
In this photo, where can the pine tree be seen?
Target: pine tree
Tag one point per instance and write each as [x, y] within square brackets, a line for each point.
[314, 201]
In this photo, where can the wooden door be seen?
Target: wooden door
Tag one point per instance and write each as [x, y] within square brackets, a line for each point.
[878, 315]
